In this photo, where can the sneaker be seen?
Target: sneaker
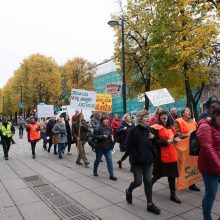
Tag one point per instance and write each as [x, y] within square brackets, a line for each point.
[194, 188]
[119, 164]
[79, 163]
[113, 178]
[154, 209]
[128, 197]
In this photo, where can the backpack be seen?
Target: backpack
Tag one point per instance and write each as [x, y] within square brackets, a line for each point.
[193, 144]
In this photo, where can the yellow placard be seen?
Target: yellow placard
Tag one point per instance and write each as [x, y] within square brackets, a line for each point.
[103, 102]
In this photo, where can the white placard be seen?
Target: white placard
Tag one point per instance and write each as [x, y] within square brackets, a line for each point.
[115, 89]
[160, 97]
[83, 99]
[45, 111]
[141, 97]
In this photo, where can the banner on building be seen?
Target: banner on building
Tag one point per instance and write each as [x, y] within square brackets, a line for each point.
[45, 111]
[104, 102]
[160, 97]
[115, 89]
[187, 166]
[83, 99]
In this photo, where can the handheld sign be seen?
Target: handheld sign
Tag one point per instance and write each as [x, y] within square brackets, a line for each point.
[45, 111]
[160, 97]
[104, 103]
[83, 99]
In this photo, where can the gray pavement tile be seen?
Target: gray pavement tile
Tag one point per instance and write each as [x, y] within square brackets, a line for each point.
[216, 208]
[176, 218]
[90, 200]
[37, 211]
[5, 200]
[53, 177]
[115, 213]
[14, 184]
[2, 188]
[69, 187]
[196, 214]
[89, 183]
[6, 172]
[22, 196]
[10, 213]
[164, 202]
[139, 208]
[110, 194]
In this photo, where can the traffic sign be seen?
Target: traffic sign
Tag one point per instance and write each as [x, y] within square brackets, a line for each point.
[21, 106]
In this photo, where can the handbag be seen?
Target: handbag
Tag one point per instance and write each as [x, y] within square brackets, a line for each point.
[54, 139]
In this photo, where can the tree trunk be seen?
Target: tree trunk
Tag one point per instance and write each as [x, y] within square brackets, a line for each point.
[147, 89]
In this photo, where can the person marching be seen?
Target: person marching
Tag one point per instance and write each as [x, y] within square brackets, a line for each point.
[140, 148]
[103, 135]
[50, 124]
[79, 133]
[69, 135]
[208, 137]
[59, 131]
[115, 123]
[33, 130]
[6, 132]
[184, 126]
[165, 162]
[123, 131]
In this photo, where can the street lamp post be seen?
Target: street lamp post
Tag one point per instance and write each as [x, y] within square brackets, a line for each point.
[114, 23]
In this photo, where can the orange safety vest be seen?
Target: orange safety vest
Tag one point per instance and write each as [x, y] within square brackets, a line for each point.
[186, 127]
[168, 153]
[33, 134]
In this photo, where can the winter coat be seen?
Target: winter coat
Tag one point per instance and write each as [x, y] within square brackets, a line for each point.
[140, 146]
[49, 128]
[208, 136]
[83, 132]
[120, 130]
[103, 135]
[115, 124]
[60, 131]
[68, 131]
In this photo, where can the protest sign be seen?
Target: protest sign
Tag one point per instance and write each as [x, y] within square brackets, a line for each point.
[45, 111]
[104, 103]
[160, 97]
[187, 166]
[141, 97]
[83, 99]
[115, 89]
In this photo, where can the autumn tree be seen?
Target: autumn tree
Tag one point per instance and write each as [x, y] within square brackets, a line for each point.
[76, 73]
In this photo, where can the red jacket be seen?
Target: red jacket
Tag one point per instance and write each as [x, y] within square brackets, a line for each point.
[208, 137]
[115, 124]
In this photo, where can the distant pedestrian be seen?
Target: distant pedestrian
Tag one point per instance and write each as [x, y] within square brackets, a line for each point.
[43, 135]
[103, 135]
[6, 132]
[115, 123]
[59, 131]
[69, 134]
[140, 148]
[80, 130]
[33, 130]
[123, 131]
[173, 115]
[21, 124]
[74, 117]
[50, 124]
[208, 136]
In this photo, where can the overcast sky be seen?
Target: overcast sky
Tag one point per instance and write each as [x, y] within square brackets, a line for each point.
[62, 29]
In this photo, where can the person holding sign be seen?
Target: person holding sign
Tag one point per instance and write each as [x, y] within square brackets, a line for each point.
[165, 163]
[79, 133]
[184, 126]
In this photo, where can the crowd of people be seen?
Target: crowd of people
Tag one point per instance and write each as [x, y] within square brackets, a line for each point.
[148, 142]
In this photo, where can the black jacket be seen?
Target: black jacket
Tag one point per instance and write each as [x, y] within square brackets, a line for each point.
[103, 136]
[49, 128]
[140, 146]
[68, 131]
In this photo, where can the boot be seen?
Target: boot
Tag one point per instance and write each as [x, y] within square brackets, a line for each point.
[113, 178]
[128, 196]
[154, 209]
[95, 172]
[174, 198]
[119, 164]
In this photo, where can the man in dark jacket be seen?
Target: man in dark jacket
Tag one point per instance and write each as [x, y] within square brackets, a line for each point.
[103, 135]
[49, 133]
[6, 132]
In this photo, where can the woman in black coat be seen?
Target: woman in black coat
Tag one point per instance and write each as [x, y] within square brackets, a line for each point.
[140, 149]
[69, 135]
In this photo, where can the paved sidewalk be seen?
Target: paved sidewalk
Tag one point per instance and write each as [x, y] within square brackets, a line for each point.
[47, 188]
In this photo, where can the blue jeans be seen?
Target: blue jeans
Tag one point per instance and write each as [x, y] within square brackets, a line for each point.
[211, 187]
[108, 157]
[61, 148]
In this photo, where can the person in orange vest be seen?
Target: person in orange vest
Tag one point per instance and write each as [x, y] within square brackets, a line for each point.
[165, 163]
[184, 126]
[33, 130]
